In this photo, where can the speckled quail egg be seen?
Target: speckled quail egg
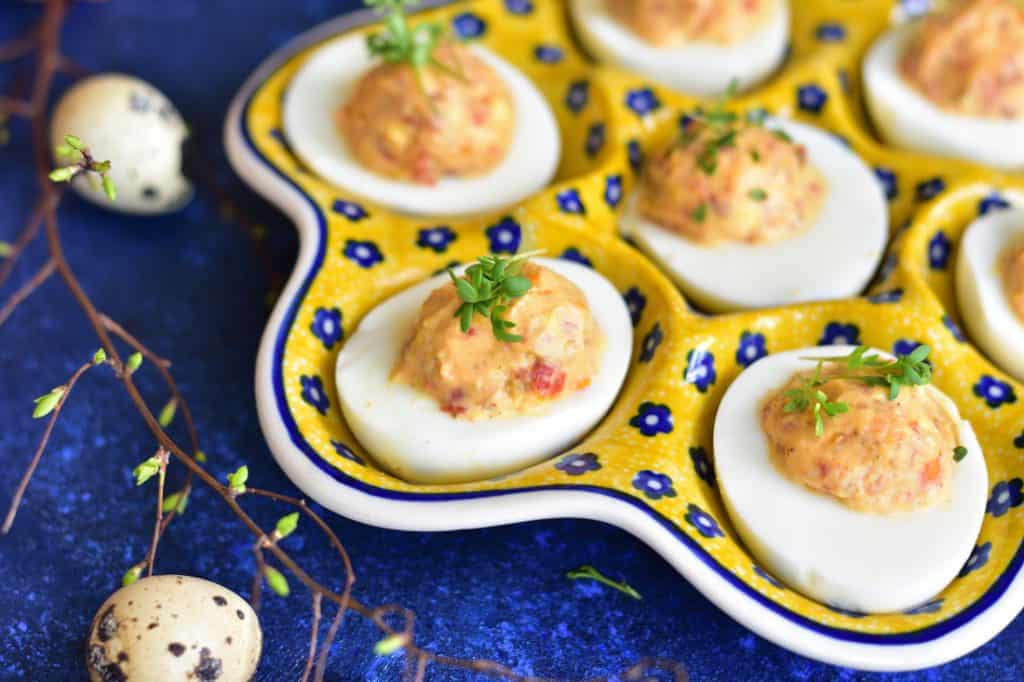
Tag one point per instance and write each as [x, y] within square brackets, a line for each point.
[126, 120]
[174, 627]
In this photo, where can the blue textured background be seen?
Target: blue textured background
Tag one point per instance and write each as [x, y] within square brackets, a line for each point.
[190, 286]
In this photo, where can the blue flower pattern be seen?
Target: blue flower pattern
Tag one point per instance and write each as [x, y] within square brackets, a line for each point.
[468, 26]
[504, 236]
[313, 393]
[613, 191]
[904, 347]
[979, 557]
[652, 419]
[635, 303]
[346, 452]
[839, 334]
[650, 343]
[830, 32]
[327, 326]
[811, 98]
[654, 485]
[577, 96]
[548, 54]
[1005, 496]
[578, 464]
[573, 254]
[703, 522]
[569, 201]
[520, 7]
[436, 239]
[939, 248]
[887, 178]
[929, 189]
[1018, 442]
[350, 210]
[994, 392]
[751, 349]
[595, 139]
[642, 101]
[994, 201]
[700, 369]
[702, 465]
[363, 254]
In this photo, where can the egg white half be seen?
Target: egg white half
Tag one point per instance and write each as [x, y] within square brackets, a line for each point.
[326, 81]
[703, 69]
[845, 558]
[906, 118]
[407, 433]
[835, 258]
[981, 290]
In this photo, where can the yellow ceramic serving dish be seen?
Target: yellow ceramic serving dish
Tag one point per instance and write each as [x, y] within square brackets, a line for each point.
[354, 254]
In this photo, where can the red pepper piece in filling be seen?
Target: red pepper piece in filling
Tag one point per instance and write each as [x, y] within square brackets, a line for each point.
[547, 380]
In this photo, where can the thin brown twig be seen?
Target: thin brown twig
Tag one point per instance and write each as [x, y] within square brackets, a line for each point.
[12, 511]
[26, 290]
[28, 233]
[325, 648]
[161, 456]
[314, 632]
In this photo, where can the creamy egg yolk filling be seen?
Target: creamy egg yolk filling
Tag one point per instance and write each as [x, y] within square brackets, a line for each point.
[970, 59]
[743, 183]
[473, 375]
[456, 119]
[1014, 279]
[881, 456]
[667, 23]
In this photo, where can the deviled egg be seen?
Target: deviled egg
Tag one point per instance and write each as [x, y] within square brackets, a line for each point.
[953, 83]
[438, 393]
[875, 508]
[753, 214]
[463, 132]
[990, 286]
[699, 48]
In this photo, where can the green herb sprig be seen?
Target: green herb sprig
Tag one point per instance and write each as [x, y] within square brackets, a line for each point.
[402, 43]
[487, 288]
[591, 573]
[859, 366]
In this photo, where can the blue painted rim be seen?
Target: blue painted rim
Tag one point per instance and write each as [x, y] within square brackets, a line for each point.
[926, 634]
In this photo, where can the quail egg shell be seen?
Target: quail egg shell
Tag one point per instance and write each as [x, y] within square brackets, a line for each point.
[981, 290]
[906, 118]
[848, 559]
[703, 69]
[326, 81]
[407, 433]
[129, 122]
[835, 258]
[167, 628]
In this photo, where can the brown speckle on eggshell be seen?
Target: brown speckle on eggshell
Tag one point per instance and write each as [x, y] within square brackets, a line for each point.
[128, 642]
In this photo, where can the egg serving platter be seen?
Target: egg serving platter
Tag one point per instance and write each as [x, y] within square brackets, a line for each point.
[648, 467]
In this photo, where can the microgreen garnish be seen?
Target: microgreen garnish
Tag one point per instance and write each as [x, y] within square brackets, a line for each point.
[591, 573]
[700, 212]
[487, 287]
[782, 135]
[870, 370]
[757, 194]
[959, 452]
[755, 156]
[402, 43]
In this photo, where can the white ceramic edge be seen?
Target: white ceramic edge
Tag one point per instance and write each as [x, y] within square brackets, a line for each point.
[535, 505]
